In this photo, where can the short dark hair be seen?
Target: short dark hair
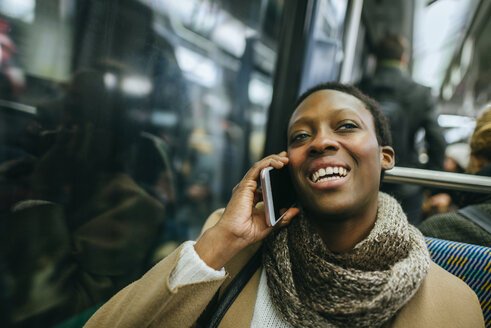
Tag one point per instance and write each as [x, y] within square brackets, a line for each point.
[382, 129]
[391, 47]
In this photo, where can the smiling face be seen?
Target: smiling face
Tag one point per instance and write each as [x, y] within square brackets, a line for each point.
[335, 158]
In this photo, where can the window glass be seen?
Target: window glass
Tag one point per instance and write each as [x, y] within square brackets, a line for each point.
[123, 125]
[325, 47]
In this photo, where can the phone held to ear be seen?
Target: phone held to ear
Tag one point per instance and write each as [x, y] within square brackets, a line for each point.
[278, 193]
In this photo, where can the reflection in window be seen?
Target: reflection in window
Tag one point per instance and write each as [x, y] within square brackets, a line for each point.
[123, 125]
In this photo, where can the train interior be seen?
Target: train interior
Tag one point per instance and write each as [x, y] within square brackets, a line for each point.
[125, 123]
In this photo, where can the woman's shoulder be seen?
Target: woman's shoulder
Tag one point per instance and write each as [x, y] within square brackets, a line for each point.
[446, 285]
[443, 300]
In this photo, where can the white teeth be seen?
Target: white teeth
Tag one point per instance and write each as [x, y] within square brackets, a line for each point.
[326, 174]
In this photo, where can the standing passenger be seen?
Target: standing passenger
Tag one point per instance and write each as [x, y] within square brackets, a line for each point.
[409, 106]
[349, 258]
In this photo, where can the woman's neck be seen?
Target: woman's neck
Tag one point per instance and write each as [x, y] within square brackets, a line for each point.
[342, 234]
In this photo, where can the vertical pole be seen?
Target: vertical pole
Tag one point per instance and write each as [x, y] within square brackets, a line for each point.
[295, 27]
[351, 39]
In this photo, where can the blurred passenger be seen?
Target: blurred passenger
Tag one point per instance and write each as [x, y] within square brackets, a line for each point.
[445, 200]
[456, 158]
[87, 229]
[459, 226]
[347, 257]
[409, 107]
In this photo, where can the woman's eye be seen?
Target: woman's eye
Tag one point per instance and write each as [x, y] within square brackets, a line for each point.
[348, 126]
[300, 136]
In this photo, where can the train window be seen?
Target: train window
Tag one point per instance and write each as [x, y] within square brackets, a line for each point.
[123, 125]
[324, 53]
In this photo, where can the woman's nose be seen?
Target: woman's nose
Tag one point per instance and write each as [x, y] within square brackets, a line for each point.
[323, 142]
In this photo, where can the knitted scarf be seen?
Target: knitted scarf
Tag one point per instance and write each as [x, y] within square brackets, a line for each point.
[311, 286]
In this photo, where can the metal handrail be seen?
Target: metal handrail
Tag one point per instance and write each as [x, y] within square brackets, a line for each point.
[440, 179]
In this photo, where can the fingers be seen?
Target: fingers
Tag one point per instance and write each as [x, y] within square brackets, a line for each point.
[249, 181]
[241, 219]
[277, 161]
[258, 196]
[289, 215]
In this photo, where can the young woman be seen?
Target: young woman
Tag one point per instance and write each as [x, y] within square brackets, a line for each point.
[345, 258]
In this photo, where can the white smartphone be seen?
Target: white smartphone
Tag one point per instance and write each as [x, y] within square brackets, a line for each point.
[278, 193]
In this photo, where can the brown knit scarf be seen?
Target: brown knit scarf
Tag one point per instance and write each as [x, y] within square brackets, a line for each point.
[311, 286]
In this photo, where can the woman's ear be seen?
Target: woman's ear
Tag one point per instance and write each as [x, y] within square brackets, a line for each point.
[387, 157]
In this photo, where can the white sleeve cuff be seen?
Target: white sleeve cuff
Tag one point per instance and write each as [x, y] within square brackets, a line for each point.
[191, 268]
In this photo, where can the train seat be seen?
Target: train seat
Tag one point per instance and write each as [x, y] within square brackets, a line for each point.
[471, 263]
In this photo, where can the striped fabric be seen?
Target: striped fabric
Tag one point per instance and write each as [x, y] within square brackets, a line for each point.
[471, 263]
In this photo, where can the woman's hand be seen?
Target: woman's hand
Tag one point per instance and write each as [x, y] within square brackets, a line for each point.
[241, 224]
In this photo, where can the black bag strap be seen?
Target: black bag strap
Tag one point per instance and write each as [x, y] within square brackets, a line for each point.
[234, 289]
[478, 216]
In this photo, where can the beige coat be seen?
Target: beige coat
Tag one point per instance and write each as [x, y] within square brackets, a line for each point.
[443, 300]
